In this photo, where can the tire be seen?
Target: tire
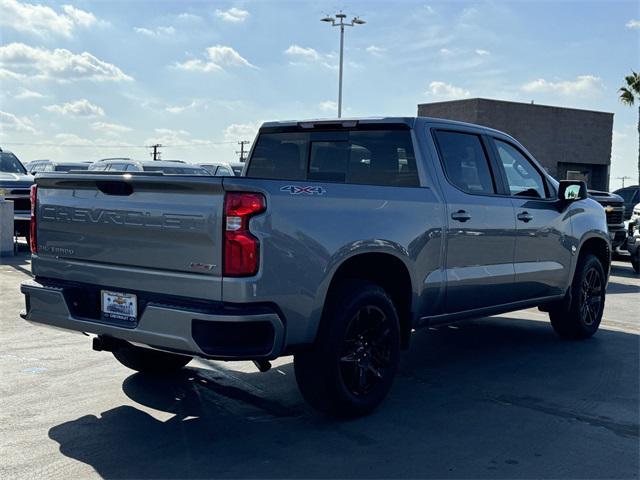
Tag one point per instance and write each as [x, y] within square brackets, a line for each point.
[150, 361]
[350, 368]
[635, 261]
[581, 317]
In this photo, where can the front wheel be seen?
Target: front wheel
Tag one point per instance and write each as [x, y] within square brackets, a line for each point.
[581, 317]
[635, 261]
[350, 369]
[150, 361]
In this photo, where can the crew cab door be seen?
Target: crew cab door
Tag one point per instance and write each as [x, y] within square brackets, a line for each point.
[542, 254]
[480, 233]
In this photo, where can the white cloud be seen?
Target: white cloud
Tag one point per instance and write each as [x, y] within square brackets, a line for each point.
[302, 53]
[80, 17]
[233, 15]
[13, 123]
[582, 85]
[20, 61]
[26, 93]
[79, 108]
[109, 128]
[189, 17]
[306, 56]
[182, 108]
[446, 52]
[72, 139]
[156, 32]
[241, 131]
[43, 20]
[216, 59]
[375, 51]
[446, 91]
[482, 52]
[328, 106]
[633, 24]
[429, 9]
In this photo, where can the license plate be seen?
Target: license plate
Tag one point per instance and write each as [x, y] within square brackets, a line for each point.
[119, 306]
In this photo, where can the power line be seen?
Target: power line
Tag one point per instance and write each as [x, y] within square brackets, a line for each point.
[155, 154]
[242, 143]
[623, 179]
[110, 145]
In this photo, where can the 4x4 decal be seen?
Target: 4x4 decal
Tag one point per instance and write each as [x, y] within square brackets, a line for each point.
[303, 190]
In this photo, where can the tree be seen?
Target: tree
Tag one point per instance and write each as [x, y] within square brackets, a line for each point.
[629, 94]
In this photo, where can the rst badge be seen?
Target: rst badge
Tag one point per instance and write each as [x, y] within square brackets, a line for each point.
[303, 190]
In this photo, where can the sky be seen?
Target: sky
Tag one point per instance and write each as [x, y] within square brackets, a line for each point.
[94, 79]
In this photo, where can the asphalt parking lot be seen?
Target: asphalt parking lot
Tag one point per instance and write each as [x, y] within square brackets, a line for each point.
[492, 398]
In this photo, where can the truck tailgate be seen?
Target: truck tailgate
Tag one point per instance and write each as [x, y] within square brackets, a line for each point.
[159, 224]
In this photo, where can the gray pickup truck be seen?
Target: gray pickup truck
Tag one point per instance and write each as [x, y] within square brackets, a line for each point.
[341, 238]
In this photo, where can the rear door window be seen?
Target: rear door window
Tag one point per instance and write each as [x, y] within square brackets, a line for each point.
[465, 161]
[382, 157]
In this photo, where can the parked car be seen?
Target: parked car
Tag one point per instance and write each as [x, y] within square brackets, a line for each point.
[167, 167]
[40, 166]
[633, 243]
[614, 208]
[237, 167]
[631, 196]
[342, 238]
[218, 169]
[15, 185]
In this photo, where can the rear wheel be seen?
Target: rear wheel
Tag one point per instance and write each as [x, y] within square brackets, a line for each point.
[635, 261]
[581, 317]
[350, 369]
[150, 361]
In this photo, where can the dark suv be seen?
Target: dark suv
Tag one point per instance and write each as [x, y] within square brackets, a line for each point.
[631, 197]
[15, 185]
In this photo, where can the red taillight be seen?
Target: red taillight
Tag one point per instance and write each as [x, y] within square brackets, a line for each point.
[241, 248]
[33, 244]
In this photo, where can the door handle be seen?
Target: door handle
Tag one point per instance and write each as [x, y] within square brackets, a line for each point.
[525, 217]
[461, 216]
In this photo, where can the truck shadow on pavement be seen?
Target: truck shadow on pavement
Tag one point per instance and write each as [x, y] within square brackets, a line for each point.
[492, 398]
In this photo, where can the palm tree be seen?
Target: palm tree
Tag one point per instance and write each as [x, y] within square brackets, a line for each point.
[629, 94]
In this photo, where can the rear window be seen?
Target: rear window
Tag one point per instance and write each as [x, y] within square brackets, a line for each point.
[367, 157]
[177, 170]
[10, 164]
[68, 168]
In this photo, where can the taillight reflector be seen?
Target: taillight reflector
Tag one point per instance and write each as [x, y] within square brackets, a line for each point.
[241, 248]
[33, 244]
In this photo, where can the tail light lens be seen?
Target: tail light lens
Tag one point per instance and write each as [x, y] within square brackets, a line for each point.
[33, 244]
[241, 248]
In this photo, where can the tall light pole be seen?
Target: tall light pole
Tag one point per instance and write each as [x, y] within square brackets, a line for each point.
[338, 21]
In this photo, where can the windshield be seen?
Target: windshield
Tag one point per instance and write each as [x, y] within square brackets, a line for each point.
[10, 164]
[178, 170]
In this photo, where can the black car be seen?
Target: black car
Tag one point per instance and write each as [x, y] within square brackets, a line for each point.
[615, 209]
[631, 196]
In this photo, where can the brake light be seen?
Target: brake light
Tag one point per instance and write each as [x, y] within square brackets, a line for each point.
[241, 248]
[33, 196]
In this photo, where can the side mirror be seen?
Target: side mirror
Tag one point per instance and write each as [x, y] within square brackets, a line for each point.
[572, 190]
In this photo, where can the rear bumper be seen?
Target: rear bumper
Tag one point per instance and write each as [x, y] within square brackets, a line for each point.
[229, 336]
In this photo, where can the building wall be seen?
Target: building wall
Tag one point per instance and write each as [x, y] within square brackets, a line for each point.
[555, 136]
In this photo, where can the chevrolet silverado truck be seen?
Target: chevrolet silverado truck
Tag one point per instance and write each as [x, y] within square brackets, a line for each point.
[15, 186]
[615, 210]
[341, 238]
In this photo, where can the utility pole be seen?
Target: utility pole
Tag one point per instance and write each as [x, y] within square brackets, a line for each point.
[623, 179]
[155, 154]
[241, 152]
[338, 21]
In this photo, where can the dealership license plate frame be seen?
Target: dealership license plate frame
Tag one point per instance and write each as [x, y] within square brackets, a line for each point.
[129, 314]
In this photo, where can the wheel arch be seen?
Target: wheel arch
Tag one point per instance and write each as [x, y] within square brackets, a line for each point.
[386, 270]
[600, 248]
